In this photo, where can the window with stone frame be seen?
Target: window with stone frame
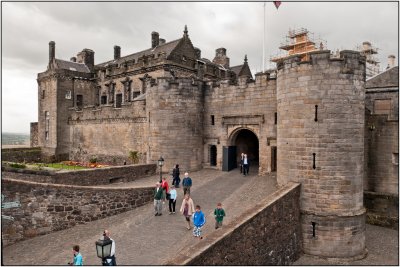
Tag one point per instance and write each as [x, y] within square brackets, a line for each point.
[118, 101]
[103, 100]
[135, 94]
[79, 101]
[43, 94]
[46, 125]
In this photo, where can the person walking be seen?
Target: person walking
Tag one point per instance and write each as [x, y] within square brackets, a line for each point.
[245, 165]
[187, 184]
[199, 219]
[165, 186]
[172, 200]
[159, 197]
[241, 162]
[110, 260]
[187, 209]
[175, 176]
[219, 214]
[77, 260]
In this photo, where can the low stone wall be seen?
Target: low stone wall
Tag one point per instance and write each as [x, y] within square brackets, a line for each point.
[21, 154]
[268, 234]
[382, 209]
[89, 177]
[47, 207]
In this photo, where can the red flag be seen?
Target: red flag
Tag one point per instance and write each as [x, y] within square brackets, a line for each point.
[277, 4]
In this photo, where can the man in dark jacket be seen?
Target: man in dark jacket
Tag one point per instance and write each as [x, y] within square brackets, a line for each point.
[187, 183]
[175, 175]
[159, 197]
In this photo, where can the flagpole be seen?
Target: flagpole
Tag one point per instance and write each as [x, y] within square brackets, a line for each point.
[263, 58]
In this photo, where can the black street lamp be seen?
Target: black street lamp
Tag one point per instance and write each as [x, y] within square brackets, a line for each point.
[160, 163]
[103, 247]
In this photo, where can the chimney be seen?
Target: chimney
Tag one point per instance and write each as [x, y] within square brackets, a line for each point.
[221, 58]
[117, 52]
[155, 39]
[162, 41]
[52, 50]
[86, 57]
[366, 45]
[73, 59]
[391, 61]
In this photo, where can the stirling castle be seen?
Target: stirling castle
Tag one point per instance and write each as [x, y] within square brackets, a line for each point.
[315, 120]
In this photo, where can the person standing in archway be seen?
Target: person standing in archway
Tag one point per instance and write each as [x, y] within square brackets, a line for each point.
[241, 162]
[246, 164]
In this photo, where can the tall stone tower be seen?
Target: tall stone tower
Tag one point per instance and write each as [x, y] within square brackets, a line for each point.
[320, 140]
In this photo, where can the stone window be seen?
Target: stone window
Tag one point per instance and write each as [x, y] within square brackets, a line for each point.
[79, 101]
[276, 118]
[135, 94]
[103, 99]
[43, 94]
[46, 125]
[68, 94]
[118, 101]
[395, 158]
[212, 120]
[382, 106]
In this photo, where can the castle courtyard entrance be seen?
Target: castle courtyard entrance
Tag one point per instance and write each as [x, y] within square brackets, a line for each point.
[243, 141]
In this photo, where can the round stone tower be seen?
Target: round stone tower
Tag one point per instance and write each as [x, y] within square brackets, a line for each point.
[320, 144]
[175, 114]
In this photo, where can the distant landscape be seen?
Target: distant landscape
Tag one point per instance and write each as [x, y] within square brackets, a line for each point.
[9, 140]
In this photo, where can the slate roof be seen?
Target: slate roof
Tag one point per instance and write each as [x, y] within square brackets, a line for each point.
[388, 78]
[166, 47]
[69, 65]
[237, 69]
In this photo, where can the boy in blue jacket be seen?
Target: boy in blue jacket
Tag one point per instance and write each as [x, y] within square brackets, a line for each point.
[198, 221]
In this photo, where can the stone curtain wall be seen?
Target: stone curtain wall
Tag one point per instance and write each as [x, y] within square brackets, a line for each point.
[47, 207]
[21, 154]
[268, 234]
[89, 177]
[383, 161]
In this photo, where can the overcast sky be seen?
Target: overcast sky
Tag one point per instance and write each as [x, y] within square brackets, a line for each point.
[27, 29]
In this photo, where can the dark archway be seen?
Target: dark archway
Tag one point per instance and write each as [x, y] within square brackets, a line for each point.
[247, 142]
[213, 155]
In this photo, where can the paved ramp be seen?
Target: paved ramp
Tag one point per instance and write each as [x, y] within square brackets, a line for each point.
[141, 238]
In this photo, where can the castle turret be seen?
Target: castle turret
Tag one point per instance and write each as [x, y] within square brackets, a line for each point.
[320, 144]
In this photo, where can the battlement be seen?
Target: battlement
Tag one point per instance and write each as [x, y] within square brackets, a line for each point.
[348, 58]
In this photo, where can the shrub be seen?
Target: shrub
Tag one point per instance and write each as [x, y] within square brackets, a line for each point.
[134, 156]
[93, 160]
[18, 165]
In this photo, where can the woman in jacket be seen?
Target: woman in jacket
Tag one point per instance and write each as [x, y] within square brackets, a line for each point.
[187, 209]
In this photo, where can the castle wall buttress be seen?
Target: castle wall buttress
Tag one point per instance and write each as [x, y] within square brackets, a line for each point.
[321, 145]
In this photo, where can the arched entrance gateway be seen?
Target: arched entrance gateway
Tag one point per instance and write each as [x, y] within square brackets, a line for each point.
[241, 141]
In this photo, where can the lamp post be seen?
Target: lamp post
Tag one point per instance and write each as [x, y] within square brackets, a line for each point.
[103, 247]
[160, 163]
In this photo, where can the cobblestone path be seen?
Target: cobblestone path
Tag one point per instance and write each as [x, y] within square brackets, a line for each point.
[141, 238]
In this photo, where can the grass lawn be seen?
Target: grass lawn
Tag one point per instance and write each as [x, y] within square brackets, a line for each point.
[59, 166]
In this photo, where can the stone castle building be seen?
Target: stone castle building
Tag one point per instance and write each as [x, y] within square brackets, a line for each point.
[310, 120]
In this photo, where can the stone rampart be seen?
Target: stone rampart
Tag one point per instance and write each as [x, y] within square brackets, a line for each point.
[21, 154]
[268, 234]
[48, 207]
[89, 177]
